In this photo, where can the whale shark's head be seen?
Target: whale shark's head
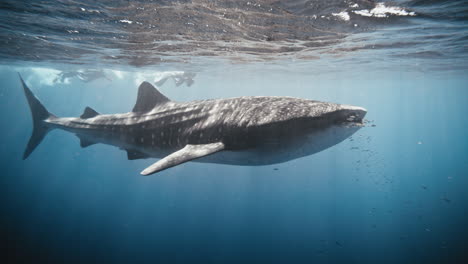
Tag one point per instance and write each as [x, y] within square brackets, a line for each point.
[348, 115]
[296, 128]
[304, 127]
[320, 115]
[331, 124]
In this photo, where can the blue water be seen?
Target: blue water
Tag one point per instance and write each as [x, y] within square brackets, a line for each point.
[395, 192]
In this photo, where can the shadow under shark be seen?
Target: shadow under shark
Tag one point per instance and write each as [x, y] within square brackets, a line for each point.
[239, 131]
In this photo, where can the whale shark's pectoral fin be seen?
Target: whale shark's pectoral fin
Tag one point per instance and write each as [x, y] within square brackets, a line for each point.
[189, 152]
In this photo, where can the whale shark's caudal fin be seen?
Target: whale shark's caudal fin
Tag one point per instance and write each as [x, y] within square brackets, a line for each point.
[39, 114]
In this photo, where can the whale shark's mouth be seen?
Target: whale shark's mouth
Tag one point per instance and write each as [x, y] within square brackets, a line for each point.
[353, 115]
[354, 118]
[352, 124]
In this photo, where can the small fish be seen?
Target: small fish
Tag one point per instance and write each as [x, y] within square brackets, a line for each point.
[424, 187]
[320, 252]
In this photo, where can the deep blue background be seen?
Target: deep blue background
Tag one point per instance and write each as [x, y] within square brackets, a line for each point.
[394, 193]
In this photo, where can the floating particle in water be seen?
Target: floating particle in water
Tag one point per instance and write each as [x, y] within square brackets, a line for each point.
[447, 200]
[338, 244]
[427, 230]
[419, 142]
[275, 169]
[424, 187]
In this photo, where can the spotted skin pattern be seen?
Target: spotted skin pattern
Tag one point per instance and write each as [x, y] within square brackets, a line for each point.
[183, 131]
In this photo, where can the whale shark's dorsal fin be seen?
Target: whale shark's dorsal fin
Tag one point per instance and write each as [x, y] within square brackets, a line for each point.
[189, 152]
[88, 113]
[148, 97]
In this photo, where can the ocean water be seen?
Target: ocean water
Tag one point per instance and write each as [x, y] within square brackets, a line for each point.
[394, 192]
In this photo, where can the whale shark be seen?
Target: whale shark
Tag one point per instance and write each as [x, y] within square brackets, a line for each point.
[250, 130]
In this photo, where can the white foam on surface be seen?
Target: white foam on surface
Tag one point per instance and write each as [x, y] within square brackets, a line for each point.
[155, 77]
[382, 11]
[126, 21]
[342, 15]
[43, 76]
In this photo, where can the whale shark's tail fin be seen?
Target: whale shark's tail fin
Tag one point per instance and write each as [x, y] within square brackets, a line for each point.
[39, 114]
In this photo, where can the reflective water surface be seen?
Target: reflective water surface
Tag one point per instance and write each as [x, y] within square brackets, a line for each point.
[393, 192]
